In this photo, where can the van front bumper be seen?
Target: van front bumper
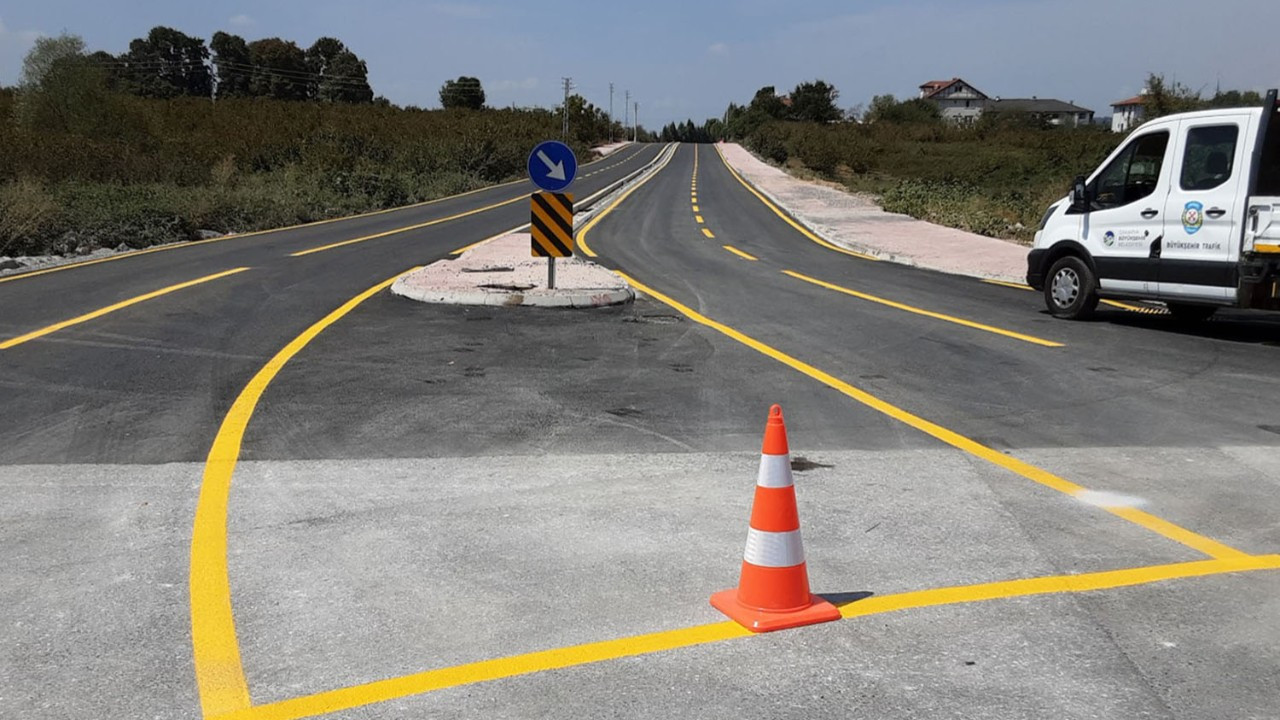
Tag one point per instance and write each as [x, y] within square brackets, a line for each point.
[1036, 268]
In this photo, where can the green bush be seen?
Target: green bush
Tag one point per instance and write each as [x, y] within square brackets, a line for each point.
[995, 179]
[170, 167]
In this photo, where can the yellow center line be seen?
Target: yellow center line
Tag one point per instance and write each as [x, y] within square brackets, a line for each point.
[695, 209]
[926, 313]
[698, 218]
[1197, 542]
[786, 218]
[638, 645]
[739, 253]
[112, 308]
[216, 651]
[708, 233]
[419, 226]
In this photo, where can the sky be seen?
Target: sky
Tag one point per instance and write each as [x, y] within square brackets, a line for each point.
[690, 59]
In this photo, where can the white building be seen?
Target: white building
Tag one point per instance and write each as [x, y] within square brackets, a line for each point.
[957, 101]
[1127, 114]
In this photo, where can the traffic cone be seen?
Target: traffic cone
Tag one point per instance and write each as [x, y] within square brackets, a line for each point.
[773, 593]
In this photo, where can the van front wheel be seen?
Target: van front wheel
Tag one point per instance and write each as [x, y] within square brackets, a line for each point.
[1071, 290]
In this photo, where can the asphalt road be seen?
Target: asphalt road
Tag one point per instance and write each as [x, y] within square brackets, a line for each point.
[424, 487]
[151, 382]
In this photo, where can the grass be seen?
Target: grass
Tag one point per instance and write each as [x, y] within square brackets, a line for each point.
[995, 181]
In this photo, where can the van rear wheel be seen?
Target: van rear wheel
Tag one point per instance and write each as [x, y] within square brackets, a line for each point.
[1191, 313]
[1071, 290]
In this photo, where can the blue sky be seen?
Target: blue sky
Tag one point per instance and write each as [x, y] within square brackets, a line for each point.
[689, 59]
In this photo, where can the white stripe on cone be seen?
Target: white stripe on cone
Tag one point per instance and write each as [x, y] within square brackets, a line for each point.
[773, 549]
[775, 471]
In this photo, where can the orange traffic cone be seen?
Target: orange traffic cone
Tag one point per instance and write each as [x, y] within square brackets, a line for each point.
[773, 593]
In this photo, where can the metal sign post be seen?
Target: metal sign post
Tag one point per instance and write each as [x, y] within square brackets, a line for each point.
[552, 167]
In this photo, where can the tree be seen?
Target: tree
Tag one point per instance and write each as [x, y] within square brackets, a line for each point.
[279, 69]
[815, 102]
[886, 108]
[42, 56]
[465, 92]
[168, 63]
[337, 75]
[235, 66]
[767, 102]
[1167, 98]
[1234, 99]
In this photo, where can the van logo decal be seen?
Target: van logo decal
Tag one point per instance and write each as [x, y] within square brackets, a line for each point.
[1192, 217]
[1109, 239]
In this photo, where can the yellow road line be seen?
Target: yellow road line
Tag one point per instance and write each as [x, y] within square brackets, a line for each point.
[491, 238]
[112, 308]
[1205, 545]
[695, 209]
[216, 651]
[786, 218]
[708, 233]
[1113, 303]
[739, 253]
[1005, 283]
[419, 226]
[574, 656]
[698, 218]
[582, 234]
[927, 313]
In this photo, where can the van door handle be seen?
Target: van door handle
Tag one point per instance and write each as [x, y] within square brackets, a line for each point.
[1215, 212]
[1150, 213]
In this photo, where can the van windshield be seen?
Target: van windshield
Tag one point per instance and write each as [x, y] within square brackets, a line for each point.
[1269, 168]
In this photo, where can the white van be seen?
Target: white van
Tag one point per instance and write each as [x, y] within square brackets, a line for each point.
[1186, 211]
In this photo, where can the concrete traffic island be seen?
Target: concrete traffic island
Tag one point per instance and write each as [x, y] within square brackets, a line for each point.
[501, 272]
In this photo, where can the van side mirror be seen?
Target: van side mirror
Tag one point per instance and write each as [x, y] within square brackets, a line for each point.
[1079, 195]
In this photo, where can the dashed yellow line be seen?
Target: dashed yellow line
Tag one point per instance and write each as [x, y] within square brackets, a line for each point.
[13, 342]
[708, 233]
[926, 313]
[1200, 543]
[739, 253]
[695, 209]
[698, 219]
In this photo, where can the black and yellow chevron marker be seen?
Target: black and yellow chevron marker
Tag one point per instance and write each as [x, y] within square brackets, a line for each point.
[552, 224]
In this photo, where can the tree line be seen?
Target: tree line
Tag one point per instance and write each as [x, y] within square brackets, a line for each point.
[168, 63]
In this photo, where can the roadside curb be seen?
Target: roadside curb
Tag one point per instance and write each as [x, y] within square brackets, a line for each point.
[537, 297]
[827, 234]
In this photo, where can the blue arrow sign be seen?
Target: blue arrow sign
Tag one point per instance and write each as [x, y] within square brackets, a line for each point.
[552, 166]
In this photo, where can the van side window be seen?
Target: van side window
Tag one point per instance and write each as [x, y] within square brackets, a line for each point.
[1208, 157]
[1133, 174]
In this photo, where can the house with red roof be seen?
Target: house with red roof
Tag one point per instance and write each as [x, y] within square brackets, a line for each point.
[1127, 114]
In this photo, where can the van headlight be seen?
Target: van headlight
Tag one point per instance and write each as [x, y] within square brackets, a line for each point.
[1047, 214]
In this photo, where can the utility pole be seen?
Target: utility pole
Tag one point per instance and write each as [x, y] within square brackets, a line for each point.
[626, 113]
[635, 129]
[610, 112]
[564, 110]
